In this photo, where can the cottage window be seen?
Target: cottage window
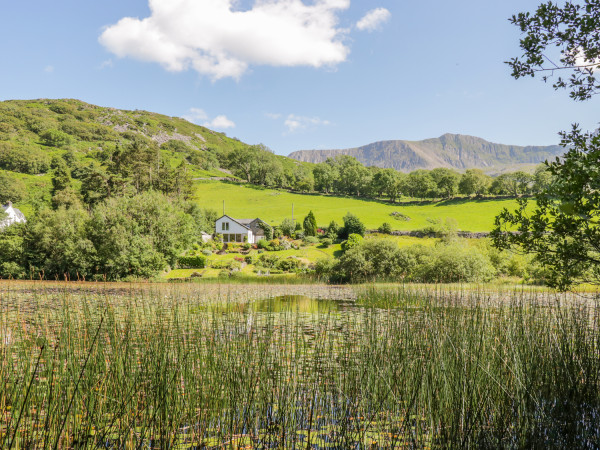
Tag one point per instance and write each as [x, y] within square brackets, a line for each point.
[238, 238]
[225, 226]
[225, 238]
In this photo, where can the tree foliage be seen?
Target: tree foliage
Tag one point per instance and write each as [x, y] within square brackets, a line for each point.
[561, 39]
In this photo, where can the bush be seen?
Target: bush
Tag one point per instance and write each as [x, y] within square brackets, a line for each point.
[311, 240]
[352, 241]
[352, 225]
[287, 227]
[268, 261]
[11, 189]
[300, 235]
[385, 228]
[16, 159]
[289, 264]
[55, 138]
[192, 262]
[207, 252]
[326, 242]
[262, 244]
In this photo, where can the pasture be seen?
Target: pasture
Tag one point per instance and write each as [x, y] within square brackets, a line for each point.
[281, 366]
[248, 201]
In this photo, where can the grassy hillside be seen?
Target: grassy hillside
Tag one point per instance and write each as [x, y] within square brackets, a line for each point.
[246, 201]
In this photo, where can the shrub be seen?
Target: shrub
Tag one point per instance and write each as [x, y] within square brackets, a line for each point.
[352, 241]
[352, 225]
[262, 244]
[311, 240]
[55, 138]
[332, 230]
[289, 264]
[385, 228]
[326, 242]
[268, 261]
[287, 227]
[11, 189]
[310, 225]
[17, 159]
[206, 252]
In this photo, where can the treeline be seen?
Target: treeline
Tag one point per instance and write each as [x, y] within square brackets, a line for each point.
[121, 237]
[345, 175]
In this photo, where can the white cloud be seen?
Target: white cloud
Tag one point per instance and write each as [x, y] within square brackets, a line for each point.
[273, 116]
[215, 39]
[220, 123]
[373, 19]
[49, 69]
[199, 116]
[295, 123]
[107, 63]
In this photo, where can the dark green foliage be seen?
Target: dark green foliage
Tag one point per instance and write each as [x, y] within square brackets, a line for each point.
[572, 32]
[333, 230]
[192, 262]
[55, 138]
[288, 227]
[385, 228]
[11, 188]
[267, 229]
[562, 232]
[474, 181]
[352, 225]
[310, 225]
[352, 241]
[23, 160]
[12, 251]
[382, 259]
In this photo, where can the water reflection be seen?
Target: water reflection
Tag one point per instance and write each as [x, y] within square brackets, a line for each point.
[301, 303]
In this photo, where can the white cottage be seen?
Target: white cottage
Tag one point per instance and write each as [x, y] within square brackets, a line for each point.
[239, 230]
[14, 216]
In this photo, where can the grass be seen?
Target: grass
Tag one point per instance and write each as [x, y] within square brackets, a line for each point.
[245, 201]
[203, 366]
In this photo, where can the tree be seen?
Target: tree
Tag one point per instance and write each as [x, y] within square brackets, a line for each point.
[570, 32]
[419, 184]
[352, 225]
[11, 189]
[288, 227]
[325, 176]
[310, 225]
[55, 138]
[563, 230]
[446, 181]
[474, 181]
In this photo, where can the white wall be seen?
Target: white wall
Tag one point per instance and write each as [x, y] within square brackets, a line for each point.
[234, 228]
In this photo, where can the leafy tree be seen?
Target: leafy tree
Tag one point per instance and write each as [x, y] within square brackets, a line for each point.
[385, 228]
[55, 138]
[542, 178]
[332, 230]
[287, 227]
[11, 189]
[419, 184]
[352, 241]
[563, 230]
[474, 181]
[310, 225]
[325, 176]
[446, 181]
[352, 225]
[570, 32]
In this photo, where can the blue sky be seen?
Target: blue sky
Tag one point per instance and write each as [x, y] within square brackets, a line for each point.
[289, 74]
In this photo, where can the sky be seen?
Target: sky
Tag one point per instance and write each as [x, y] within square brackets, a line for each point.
[291, 74]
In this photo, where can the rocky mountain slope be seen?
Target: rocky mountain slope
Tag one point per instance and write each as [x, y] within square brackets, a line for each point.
[450, 150]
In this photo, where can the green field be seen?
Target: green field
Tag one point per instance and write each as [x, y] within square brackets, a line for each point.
[246, 201]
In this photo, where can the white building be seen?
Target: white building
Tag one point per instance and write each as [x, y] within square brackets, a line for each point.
[14, 216]
[239, 230]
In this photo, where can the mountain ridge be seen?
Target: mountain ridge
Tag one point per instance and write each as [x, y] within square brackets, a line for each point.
[455, 151]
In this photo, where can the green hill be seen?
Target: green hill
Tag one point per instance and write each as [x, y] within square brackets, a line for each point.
[247, 201]
[34, 131]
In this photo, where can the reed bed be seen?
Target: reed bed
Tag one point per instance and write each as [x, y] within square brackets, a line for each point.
[391, 368]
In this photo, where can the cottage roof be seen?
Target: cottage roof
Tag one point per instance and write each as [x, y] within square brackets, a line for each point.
[250, 224]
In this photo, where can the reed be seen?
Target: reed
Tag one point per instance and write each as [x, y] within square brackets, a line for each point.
[401, 367]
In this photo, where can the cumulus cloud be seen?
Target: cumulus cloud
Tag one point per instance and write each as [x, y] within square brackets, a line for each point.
[215, 39]
[220, 123]
[373, 19]
[200, 117]
[296, 123]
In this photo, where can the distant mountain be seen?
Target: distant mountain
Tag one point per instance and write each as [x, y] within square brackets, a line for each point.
[450, 150]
